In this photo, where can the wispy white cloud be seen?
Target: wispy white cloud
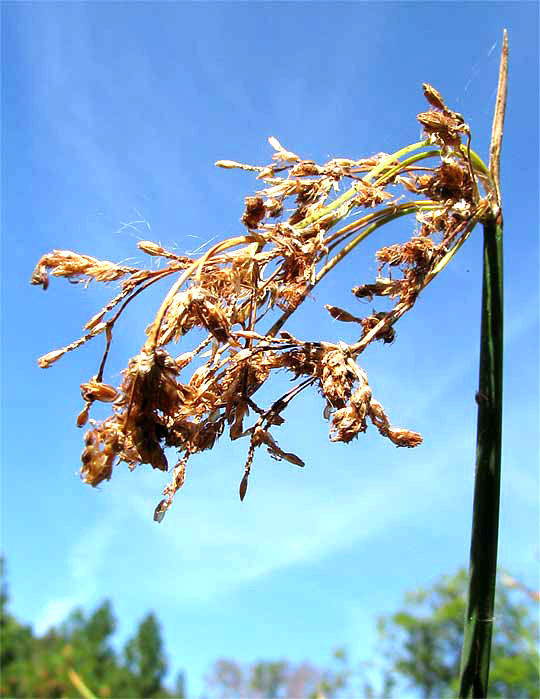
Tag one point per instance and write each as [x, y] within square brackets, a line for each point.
[54, 612]
[210, 545]
[84, 562]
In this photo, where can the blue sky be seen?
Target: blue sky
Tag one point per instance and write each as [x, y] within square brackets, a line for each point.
[112, 117]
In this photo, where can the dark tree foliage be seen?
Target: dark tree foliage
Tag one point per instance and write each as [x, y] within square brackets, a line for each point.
[145, 658]
[79, 654]
[16, 645]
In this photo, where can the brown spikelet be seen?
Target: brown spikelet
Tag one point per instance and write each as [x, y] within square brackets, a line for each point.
[433, 96]
[82, 417]
[161, 509]
[243, 486]
[50, 358]
[96, 390]
[342, 315]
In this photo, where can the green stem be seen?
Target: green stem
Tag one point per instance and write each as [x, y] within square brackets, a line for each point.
[406, 163]
[483, 559]
[352, 191]
[391, 215]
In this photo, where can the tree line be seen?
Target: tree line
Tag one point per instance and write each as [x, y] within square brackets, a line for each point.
[419, 651]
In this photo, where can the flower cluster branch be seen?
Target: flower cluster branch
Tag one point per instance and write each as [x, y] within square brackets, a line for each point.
[292, 240]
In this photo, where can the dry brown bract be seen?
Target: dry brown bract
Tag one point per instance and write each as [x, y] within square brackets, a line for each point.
[188, 402]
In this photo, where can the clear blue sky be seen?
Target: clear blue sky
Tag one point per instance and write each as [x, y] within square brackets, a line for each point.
[114, 113]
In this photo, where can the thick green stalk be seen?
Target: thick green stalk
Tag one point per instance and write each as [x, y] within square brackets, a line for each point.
[478, 631]
[485, 527]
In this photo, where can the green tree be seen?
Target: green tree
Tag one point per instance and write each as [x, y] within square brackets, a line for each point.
[422, 641]
[43, 666]
[145, 658]
[16, 645]
[88, 650]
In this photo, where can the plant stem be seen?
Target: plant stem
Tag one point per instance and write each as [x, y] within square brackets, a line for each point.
[478, 630]
[483, 561]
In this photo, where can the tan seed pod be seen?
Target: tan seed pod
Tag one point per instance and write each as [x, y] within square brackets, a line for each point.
[96, 390]
[150, 248]
[82, 417]
[433, 96]
[50, 358]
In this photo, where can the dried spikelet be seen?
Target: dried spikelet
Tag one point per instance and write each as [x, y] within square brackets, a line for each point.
[387, 333]
[282, 153]
[261, 436]
[151, 248]
[337, 379]
[304, 361]
[95, 320]
[179, 476]
[306, 167]
[96, 390]
[416, 252]
[404, 438]
[102, 448]
[342, 315]
[50, 358]
[232, 164]
[384, 286]
[64, 263]
[254, 213]
[369, 195]
[150, 395]
[350, 420]
[399, 436]
[82, 417]
[156, 250]
[433, 96]
[442, 129]
[451, 182]
[212, 317]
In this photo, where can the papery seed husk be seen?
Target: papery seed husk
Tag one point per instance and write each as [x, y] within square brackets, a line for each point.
[342, 315]
[82, 417]
[99, 328]
[292, 458]
[150, 248]
[50, 358]
[404, 438]
[94, 320]
[40, 277]
[96, 390]
[433, 96]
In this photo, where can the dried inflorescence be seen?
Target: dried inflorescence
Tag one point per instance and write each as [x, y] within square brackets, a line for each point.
[188, 402]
